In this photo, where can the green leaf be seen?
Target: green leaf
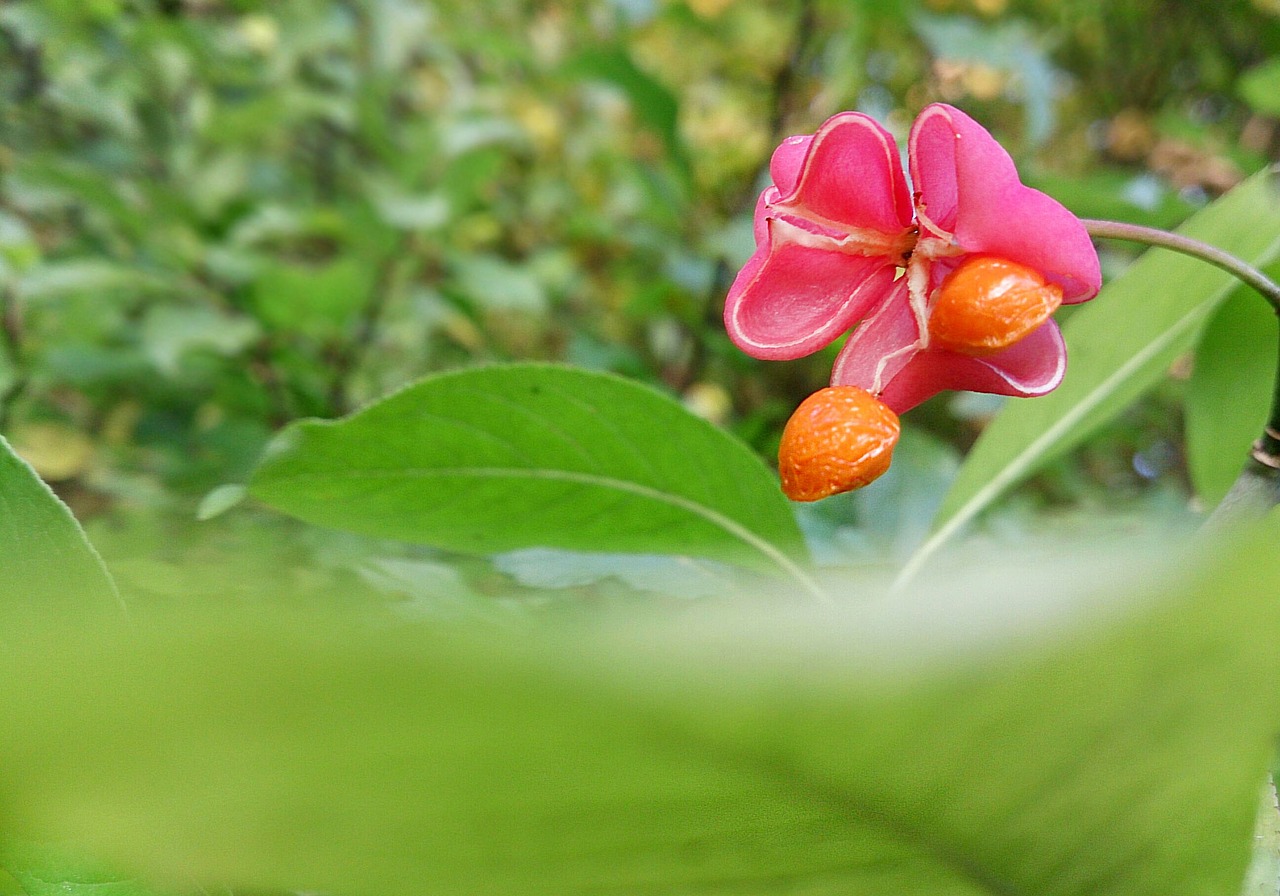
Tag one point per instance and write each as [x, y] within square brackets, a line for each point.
[49, 871]
[1119, 346]
[498, 458]
[1229, 393]
[219, 501]
[169, 332]
[1050, 738]
[1263, 878]
[1260, 87]
[56, 279]
[45, 558]
[311, 299]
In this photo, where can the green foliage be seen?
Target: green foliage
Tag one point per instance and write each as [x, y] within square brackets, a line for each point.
[487, 460]
[1230, 391]
[220, 216]
[1119, 346]
[1037, 741]
[43, 871]
[1260, 87]
[43, 553]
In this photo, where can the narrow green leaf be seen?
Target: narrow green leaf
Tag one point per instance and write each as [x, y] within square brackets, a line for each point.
[1229, 393]
[219, 501]
[1118, 346]
[45, 559]
[1090, 742]
[493, 459]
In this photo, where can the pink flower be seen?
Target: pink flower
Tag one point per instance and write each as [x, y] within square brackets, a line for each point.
[842, 243]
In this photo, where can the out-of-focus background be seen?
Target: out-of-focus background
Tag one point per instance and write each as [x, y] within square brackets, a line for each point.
[220, 215]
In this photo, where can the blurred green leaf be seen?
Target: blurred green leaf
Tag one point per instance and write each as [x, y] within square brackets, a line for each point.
[42, 870]
[1263, 878]
[219, 501]
[169, 332]
[493, 284]
[1055, 737]
[1116, 195]
[312, 299]
[54, 279]
[1260, 88]
[499, 458]
[654, 104]
[660, 574]
[45, 558]
[1119, 345]
[1229, 393]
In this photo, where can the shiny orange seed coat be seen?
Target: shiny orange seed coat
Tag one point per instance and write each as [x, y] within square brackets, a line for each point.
[839, 438]
[987, 304]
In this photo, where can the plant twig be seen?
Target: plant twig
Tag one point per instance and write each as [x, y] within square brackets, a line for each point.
[11, 340]
[1151, 236]
[349, 357]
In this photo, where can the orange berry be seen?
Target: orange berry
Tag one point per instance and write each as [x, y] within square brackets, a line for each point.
[987, 304]
[839, 439]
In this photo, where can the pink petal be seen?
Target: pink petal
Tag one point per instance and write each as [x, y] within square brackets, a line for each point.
[1032, 367]
[760, 222]
[851, 175]
[787, 159]
[883, 344]
[792, 299]
[969, 188]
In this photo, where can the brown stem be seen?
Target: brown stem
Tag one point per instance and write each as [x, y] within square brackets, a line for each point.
[1153, 236]
[11, 339]
[349, 357]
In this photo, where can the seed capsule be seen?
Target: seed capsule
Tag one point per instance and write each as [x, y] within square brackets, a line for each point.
[839, 439]
[987, 304]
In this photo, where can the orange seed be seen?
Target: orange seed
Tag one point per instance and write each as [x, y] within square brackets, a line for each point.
[987, 304]
[839, 438]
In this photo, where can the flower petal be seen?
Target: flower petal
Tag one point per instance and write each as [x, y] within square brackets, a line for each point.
[969, 190]
[787, 160]
[792, 299]
[1032, 367]
[881, 346]
[851, 175]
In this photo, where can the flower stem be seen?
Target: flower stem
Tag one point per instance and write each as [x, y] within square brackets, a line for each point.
[1152, 236]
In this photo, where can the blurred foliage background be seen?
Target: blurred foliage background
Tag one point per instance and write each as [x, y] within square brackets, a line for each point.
[220, 215]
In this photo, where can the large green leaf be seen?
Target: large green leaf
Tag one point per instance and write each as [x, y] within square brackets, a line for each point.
[47, 564]
[498, 458]
[44, 557]
[1118, 346]
[1229, 393]
[1101, 741]
[45, 871]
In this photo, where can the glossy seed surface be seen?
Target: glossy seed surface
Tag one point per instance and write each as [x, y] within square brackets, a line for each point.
[839, 439]
[988, 304]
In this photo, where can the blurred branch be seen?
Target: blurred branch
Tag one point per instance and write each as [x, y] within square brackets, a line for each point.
[11, 339]
[350, 356]
[784, 80]
[262, 365]
[782, 101]
[29, 63]
[1266, 451]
